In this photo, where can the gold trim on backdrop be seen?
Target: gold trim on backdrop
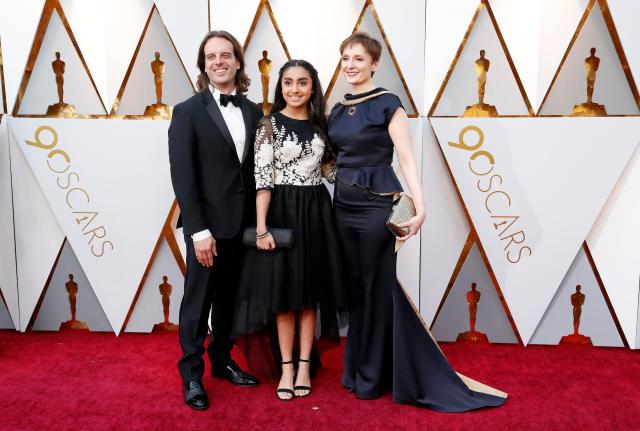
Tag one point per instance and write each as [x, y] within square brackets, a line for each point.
[186, 72]
[277, 28]
[264, 5]
[474, 232]
[144, 279]
[5, 303]
[505, 50]
[127, 75]
[38, 38]
[209, 13]
[466, 249]
[581, 23]
[456, 57]
[76, 117]
[499, 116]
[336, 72]
[13, 326]
[4, 92]
[376, 17]
[254, 23]
[496, 284]
[172, 241]
[152, 259]
[66, 25]
[596, 273]
[416, 113]
[512, 65]
[613, 33]
[36, 310]
[569, 116]
[49, 7]
[615, 39]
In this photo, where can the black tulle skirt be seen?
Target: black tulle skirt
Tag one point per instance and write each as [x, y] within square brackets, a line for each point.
[309, 275]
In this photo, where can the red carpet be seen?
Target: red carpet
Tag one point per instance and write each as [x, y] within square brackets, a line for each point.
[93, 381]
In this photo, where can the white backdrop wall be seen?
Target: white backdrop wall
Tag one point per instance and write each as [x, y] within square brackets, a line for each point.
[570, 180]
[8, 276]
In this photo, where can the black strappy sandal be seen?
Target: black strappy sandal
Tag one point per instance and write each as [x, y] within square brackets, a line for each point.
[285, 390]
[303, 388]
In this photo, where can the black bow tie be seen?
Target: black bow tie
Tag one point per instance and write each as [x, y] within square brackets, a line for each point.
[233, 98]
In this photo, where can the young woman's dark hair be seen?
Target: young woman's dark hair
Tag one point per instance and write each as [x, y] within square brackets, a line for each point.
[242, 79]
[316, 104]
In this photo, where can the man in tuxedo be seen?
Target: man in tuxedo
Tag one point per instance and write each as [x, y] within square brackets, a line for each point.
[211, 155]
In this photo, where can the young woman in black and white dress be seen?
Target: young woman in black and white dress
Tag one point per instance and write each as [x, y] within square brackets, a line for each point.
[290, 284]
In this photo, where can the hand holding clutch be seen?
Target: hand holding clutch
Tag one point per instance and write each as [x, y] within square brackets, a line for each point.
[402, 211]
[282, 237]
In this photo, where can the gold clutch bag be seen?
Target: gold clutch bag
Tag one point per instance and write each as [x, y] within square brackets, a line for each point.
[403, 210]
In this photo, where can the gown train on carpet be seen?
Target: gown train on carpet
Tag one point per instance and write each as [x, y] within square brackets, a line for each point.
[421, 373]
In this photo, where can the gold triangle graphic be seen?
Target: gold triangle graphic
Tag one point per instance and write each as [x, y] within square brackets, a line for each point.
[5, 303]
[134, 58]
[168, 235]
[472, 240]
[613, 34]
[4, 92]
[596, 273]
[262, 7]
[505, 49]
[605, 297]
[466, 249]
[368, 4]
[476, 239]
[168, 231]
[45, 288]
[43, 294]
[49, 7]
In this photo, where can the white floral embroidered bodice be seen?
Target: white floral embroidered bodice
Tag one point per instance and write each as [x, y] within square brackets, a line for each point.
[287, 152]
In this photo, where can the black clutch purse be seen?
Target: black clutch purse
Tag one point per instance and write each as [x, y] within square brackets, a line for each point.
[283, 237]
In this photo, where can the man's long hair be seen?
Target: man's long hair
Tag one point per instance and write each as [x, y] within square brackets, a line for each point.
[242, 79]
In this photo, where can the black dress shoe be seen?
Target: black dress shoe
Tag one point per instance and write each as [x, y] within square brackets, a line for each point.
[195, 395]
[234, 374]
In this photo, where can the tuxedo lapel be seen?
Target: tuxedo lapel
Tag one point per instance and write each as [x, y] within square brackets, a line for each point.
[214, 112]
[248, 128]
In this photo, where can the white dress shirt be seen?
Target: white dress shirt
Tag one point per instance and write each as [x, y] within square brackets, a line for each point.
[232, 116]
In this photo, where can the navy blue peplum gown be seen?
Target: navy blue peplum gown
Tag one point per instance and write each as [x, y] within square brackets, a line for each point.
[388, 345]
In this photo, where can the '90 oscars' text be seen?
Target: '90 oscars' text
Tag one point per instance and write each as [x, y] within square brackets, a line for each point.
[76, 197]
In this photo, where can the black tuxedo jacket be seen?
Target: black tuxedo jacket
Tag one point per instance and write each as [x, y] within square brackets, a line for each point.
[215, 190]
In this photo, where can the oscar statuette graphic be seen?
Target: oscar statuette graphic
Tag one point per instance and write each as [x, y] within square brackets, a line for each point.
[577, 301]
[481, 109]
[473, 297]
[60, 109]
[158, 110]
[165, 290]
[72, 291]
[264, 65]
[590, 108]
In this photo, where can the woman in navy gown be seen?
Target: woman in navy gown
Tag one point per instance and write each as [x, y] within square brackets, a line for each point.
[388, 345]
